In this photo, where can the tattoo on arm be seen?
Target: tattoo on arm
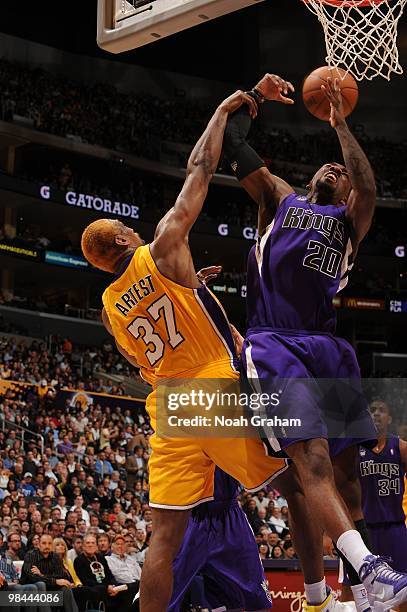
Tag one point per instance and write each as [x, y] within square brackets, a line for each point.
[358, 165]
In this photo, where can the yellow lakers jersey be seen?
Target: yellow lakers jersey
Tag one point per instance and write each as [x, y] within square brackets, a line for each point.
[169, 329]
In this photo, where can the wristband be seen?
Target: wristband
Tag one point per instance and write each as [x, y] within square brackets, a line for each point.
[256, 95]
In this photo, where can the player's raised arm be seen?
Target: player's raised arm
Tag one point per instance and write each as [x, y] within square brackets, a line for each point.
[203, 161]
[266, 189]
[362, 199]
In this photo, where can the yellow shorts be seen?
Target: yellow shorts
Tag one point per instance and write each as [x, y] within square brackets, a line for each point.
[182, 469]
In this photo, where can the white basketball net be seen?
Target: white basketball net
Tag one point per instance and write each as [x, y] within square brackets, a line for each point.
[361, 35]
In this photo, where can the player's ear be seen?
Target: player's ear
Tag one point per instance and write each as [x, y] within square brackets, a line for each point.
[122, 240]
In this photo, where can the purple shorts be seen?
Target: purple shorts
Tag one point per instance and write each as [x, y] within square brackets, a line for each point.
[316, 378]
[222, 547]
[390, 541]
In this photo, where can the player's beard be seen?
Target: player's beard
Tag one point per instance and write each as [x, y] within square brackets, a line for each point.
[326, 188]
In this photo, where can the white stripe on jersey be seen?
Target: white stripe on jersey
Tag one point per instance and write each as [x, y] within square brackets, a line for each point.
[260, 246]
[346, 267]
[253, 377]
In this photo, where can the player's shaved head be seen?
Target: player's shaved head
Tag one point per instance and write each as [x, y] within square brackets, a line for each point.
[106, 242]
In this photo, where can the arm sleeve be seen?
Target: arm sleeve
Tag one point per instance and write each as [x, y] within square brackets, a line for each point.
[242, 157]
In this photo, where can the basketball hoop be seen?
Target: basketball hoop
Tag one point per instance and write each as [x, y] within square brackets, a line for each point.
[361, 35]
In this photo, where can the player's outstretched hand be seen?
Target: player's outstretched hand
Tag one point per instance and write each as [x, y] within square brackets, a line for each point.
[332, 90]
[236, 100]
[207, 274]
[273, 87]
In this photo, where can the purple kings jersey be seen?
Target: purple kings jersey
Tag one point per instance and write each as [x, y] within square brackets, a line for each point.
[298, 266]
[382, 479]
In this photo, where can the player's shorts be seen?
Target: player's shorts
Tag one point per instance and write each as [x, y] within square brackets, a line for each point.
[181, 470]
[390, 540]
[317, 380]
[222, 548]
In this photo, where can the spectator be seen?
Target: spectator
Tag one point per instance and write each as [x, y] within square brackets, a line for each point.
[124, 566]
[89, 492]
[61, 504]
[95, 506]
[277, 522]
[78, 508]
[93, 571]
[30, 465]
[260, 520]
[65, 447]
[103, 466]
[67, 346]
[25, 533]
[261, 500]
[135, 467]
[264, 551]
[289, 551]
[33, 542]
[77, 548]
[27, 484]
[251, 512]
[9, 580]
[103, 542]
[43, 565]
[13, 551]
[272, 540]
[277, 552]
[61, 549]
[140, 543]
[81, 526]
[69, 534]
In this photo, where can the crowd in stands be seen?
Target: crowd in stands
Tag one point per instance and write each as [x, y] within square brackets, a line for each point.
[74, 511]
[139, 123]
[60, 364]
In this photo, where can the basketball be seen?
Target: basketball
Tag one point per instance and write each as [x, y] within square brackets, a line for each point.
[315, 99]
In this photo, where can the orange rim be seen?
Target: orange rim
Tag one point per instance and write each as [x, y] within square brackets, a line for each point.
[348, 4]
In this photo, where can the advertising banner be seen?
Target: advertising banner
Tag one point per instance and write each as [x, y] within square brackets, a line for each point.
[82, 400]
[20, 251]
[65, 259]
[287, 588]
[363, 303]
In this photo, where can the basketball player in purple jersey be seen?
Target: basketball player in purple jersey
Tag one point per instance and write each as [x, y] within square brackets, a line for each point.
[305, 249]
[219, 544]
[381, 472]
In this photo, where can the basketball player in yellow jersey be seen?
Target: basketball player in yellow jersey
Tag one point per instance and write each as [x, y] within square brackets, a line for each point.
[169, 324]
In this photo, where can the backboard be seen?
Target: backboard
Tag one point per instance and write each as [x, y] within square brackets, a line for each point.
[128, 24]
